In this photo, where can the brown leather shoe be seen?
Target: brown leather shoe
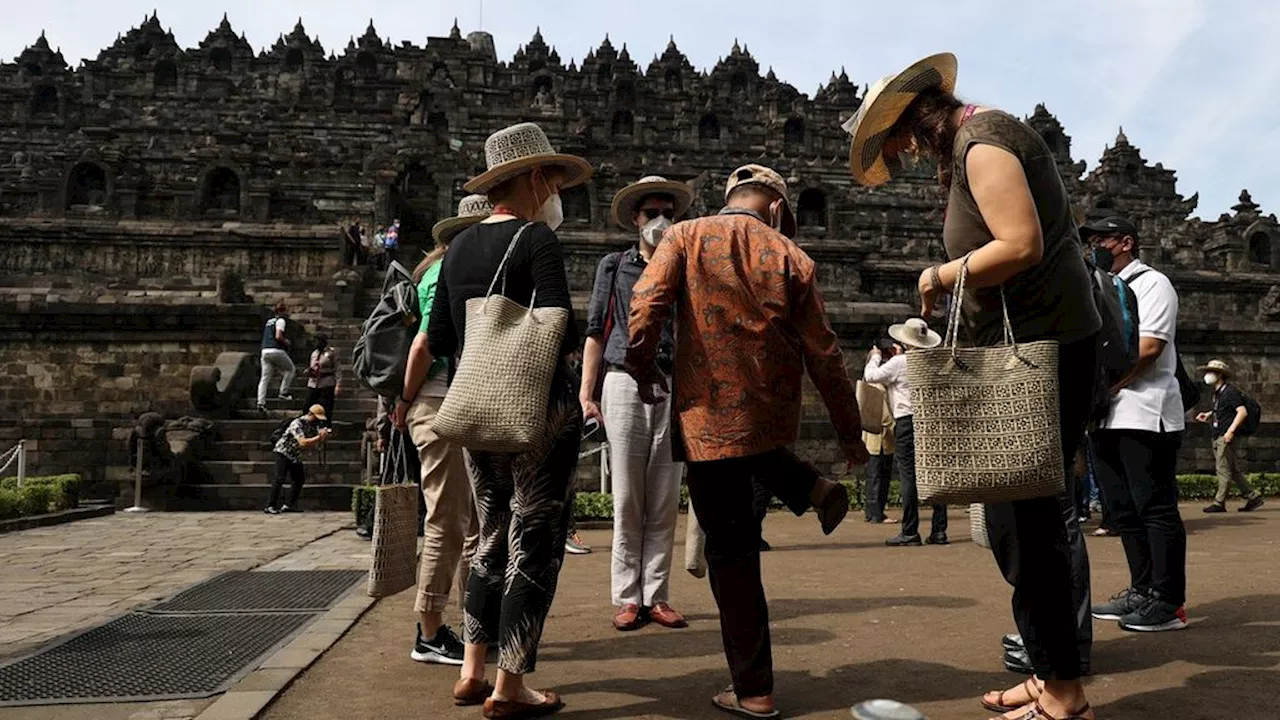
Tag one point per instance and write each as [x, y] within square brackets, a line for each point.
[510, 710]
[470, 691]
[664, 615]
[628, 618]
[831, 500]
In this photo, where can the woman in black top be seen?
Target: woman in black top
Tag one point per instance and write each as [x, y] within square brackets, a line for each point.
[522, 500]
[1008, 207]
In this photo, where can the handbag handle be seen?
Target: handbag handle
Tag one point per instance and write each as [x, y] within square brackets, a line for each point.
[954, 317]
[502, 271]
[395, 470]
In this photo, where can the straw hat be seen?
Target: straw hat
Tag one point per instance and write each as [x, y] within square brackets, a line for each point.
[883, 105]
[520, 148]
[1216, 366]
[629, 198]
[761, 175]
[915, 333]
[471, 210]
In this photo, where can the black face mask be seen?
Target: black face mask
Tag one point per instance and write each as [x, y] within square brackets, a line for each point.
[1102, 258]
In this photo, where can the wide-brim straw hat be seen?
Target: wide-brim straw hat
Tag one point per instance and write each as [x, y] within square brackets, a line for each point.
[883, 106]
[471, 210]
[520, 148]
[1216, 366]
[629, 198]
[915, 333]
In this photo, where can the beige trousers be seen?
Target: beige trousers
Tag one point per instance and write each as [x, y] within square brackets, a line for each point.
[451, 531]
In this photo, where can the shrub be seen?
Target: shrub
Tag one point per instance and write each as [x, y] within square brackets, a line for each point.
[10, 503]
[363, 498]
[593, 506]
[36, 498]
[65, 488]
[38, 495]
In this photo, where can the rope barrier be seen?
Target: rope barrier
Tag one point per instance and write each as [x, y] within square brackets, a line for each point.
[9, 457]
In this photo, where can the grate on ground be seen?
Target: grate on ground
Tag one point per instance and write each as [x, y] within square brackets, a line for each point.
[263, 591]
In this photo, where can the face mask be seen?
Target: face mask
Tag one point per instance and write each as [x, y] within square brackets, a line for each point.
[651, 232]
[1102, 258]
[1210, 379]
[551, 212]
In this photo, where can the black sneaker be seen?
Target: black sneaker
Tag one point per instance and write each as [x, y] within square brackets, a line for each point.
[903, 541]
[937, 539]
[1252, 505]
[271, 511]
[1122, 603]
[262, 409]
[1155, 615]
[287, 509]
[1012, 641]
[1216, 508]
[444, 649]
[765, 546]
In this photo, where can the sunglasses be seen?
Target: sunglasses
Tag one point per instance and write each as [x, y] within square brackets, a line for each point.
[653, 213]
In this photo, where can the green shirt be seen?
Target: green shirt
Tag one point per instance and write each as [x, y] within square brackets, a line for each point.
[426, 298]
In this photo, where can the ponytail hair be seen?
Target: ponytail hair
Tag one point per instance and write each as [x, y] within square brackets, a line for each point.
[433, 257]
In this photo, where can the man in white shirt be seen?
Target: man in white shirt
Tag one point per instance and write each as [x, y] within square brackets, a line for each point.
[1136, 446]
[892, 374]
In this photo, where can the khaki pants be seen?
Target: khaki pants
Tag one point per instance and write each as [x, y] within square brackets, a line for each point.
[451, 530]
[1230, 469]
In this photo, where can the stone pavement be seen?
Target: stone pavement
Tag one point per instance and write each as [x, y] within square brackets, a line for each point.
[64, 578]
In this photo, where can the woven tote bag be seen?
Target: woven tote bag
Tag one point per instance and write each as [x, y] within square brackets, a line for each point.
[393, 563]
[986, 419]
[978, 525]
[497, 401]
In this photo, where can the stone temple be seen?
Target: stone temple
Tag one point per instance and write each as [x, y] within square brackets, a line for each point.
[155, 201]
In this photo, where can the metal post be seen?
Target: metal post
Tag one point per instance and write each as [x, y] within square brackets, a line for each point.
[137, 483]
[22, 462]
[604, 467]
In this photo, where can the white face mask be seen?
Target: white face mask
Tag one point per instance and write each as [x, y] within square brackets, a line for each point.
[651, 232]
[1210, 379]
[551, 212]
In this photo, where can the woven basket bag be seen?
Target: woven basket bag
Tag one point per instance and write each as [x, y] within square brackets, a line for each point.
[393, 563]
[986, 419]
[497, 401]
[978, 525]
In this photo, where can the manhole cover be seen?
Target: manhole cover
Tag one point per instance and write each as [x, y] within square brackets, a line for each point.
[147, 657]
[275, 591]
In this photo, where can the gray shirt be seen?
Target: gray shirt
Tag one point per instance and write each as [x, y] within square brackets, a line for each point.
[621, 270]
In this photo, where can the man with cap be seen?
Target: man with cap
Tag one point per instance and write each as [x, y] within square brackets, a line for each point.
[1228, 414]
[303, 432]
[646, 480]
[892, 374]
[1136, 445]
[750, 321]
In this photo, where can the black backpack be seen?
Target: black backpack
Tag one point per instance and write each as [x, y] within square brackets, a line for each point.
[1250, 424]
[1189, 389]
[381, 355]
[279, 431]
[1118, 338]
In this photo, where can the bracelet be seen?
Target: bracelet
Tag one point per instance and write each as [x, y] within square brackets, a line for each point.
[935, 278]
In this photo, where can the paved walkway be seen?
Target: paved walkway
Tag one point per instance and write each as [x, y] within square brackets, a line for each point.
[60, 579]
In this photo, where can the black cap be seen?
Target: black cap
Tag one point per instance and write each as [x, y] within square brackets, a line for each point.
[1110, 225]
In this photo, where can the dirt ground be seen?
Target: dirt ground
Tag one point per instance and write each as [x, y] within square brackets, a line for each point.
[853, 620]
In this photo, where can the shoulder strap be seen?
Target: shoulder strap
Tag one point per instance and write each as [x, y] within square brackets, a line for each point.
[1136, 275]
[613, 282]
[502, 266]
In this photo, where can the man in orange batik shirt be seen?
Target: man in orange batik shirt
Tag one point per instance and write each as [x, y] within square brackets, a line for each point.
[750, 322]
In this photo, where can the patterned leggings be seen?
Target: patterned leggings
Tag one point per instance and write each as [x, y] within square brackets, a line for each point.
[523, 508]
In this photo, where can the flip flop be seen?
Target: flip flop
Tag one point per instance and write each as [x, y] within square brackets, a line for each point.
[733, 707]
[1000, 706]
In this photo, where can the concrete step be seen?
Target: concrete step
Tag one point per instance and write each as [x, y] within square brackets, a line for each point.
[344, 404]
[252, 496]
[261, 451]
[227, 472]
[258, 428]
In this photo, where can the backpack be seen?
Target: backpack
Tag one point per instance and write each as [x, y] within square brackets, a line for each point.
[1118, 338]
[1189, 389]
[1250, 424]
[280, 430]
[382, 352]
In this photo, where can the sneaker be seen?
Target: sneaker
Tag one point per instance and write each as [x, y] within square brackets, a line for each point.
[444, 649]
[271, 511]
[1253, 504]
[574, 545]
[284, 396]
[287, 509]
[903, 541]
[262, 409]
[1122, 603]
[1155, 615]
[1216, 508]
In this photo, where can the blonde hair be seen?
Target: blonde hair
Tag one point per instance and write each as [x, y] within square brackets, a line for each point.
[433, 257]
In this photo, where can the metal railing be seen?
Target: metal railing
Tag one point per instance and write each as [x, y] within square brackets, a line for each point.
[603, 449]
[18, 454]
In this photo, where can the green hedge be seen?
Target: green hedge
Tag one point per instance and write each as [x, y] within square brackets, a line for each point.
[38, 495]
[362, 500]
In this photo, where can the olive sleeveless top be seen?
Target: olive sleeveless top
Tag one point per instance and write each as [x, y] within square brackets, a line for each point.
[1054, 299]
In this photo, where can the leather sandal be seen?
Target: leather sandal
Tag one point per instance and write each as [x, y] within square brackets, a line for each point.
[1029, 685]
[1038, 713]
[470, 691]
[512, 710]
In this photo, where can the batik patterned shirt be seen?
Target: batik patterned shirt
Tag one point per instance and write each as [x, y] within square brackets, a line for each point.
[751, 322]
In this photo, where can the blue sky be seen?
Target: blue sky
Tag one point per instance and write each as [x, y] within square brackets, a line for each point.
[1194, 83]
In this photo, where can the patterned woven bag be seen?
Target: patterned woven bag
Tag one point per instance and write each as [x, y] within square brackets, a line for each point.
[986, 419]
[978, 525]
[393, 563]
[497, 401]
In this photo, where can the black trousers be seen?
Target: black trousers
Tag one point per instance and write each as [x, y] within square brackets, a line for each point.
[1137, 471]
[724, 499]
[324, 397]
[291, 470]
[879, 472]
[905, 436]
[1031, 543]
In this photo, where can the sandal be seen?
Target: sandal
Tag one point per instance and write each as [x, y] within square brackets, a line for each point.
[1029, 686]
[1038, 713]
[727, 701]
